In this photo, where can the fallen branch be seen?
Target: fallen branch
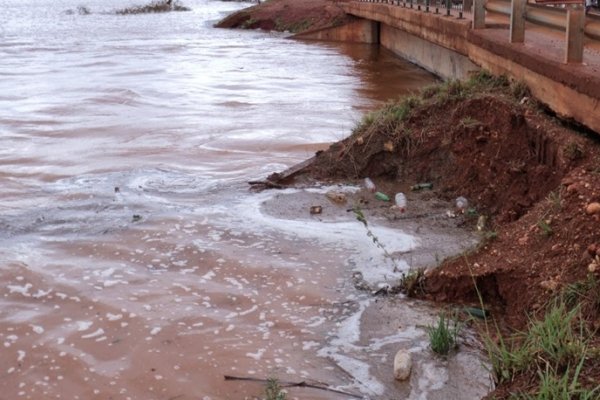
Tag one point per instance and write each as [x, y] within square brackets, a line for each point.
[292, 384]
[267, 184]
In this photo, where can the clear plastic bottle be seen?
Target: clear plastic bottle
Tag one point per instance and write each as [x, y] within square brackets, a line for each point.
[461, 204]
[369, 185]
[400, 201]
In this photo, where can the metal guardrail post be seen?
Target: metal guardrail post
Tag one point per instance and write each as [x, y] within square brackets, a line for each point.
[517, 21]
[467, 5]
[575, 24]
[426, 5]
[448, 7]
[478, 14]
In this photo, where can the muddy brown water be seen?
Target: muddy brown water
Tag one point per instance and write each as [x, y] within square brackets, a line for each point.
[135, 263]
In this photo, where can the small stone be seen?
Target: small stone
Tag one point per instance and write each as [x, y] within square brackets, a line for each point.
[549, 285]
[523, 240]
[592, 249]
[594, 265]
[388, 146]
[568, 181]
[573, 188]
[360, 141]
[336, 197]
[316, 210]
[593, 208]
[402, 365]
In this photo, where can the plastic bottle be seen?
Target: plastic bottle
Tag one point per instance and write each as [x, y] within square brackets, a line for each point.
[400, 200]
[461, 204]
[381, 196]
[369, 185]
[420, 186]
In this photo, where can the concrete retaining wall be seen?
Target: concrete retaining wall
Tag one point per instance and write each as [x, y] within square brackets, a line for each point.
[443, 62]
[357, 31]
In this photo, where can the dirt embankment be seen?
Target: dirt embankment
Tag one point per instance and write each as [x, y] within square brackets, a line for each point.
[533, 181]
[288, 15]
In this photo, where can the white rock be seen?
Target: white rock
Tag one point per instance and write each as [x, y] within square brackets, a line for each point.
[402, 365]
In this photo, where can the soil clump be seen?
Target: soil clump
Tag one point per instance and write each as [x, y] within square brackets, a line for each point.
[288, 15]
[533, 186]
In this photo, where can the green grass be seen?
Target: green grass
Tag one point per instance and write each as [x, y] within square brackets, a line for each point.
[554, 348]
[545, 228]
[443, 336]
[554, 341]
[554, 198]
[565, 387]
[390, 119]
[273, 390]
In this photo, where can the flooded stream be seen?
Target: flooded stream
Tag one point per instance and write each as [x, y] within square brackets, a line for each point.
[134, 261]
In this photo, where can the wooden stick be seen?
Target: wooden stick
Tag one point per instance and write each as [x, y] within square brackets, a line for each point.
[291, 384]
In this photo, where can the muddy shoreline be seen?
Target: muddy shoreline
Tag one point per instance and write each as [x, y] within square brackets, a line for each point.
[533, 185]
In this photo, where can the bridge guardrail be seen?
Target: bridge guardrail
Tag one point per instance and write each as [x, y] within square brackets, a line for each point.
[573, 19]
[446, 7]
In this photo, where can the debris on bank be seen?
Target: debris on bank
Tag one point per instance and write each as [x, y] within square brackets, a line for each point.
[527, 181]
[159, 6]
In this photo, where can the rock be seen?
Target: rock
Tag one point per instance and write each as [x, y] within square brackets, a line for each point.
[402, 365]
[336, 197]
[388, 146]
[523, 240]
[549, 285]
[593, 208]
[573, 188]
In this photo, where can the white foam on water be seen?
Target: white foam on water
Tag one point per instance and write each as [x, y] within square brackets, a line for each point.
[98, 332]
[113, 317]
[23, 289]
[344, 341]
[83, 325]
[344, 235]
[258, 355]
[155, 330]
[37, 329]
[432, 378]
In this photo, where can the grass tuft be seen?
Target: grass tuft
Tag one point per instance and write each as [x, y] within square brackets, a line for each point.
[442, 337]
[273, 390]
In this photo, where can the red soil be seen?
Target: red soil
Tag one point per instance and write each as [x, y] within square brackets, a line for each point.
[533, 178]
[288, 15]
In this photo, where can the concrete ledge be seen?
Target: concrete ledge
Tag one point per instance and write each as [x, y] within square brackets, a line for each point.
[356, 31]
[547, 61]
[447, 32]
[561, 98]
